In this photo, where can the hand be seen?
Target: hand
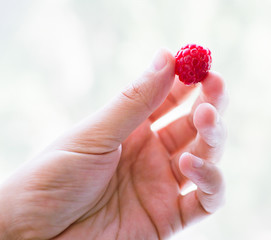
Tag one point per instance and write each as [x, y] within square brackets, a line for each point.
[111, 177]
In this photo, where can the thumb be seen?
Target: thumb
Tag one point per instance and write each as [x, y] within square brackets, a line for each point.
[113, 123]
[138, 101]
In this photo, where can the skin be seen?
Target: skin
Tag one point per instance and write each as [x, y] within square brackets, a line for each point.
[112, 177]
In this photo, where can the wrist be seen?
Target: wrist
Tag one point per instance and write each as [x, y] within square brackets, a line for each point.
[7, 226]
[3, 227]
[3, 233]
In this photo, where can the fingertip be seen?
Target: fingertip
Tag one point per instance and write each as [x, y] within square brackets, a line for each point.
[215, 74]
[168, 54]
[170, 60]
[184, 161]
[207, 176]
[189, 162]
[162, 58]
[205, 115]
[214, 84]
[163, 67]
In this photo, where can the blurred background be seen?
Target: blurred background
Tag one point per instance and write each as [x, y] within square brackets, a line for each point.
[61, 60]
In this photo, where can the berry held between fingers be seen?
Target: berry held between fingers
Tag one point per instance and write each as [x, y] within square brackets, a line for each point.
[192, 63]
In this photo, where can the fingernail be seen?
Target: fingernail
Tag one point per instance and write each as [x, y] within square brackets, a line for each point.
[196, 162]
[159, 61]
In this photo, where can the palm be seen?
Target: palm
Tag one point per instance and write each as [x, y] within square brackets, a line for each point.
[141, 198]
[150, 190]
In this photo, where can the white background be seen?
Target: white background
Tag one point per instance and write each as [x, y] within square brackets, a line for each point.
[61, 60]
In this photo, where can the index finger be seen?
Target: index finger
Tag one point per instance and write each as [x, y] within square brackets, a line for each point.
[213, 91]
[179, 92]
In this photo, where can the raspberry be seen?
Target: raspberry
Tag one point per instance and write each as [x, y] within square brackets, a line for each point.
[193, 63]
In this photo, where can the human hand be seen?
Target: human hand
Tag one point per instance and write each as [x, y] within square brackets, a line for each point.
[111, 177]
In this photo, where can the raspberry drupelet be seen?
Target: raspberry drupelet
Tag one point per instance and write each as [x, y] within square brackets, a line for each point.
[192, 63]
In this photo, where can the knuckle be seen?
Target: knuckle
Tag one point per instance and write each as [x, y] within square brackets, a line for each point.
[215, 182]
[212, 194]
[212, 181]
[215, 137]
[137, 93]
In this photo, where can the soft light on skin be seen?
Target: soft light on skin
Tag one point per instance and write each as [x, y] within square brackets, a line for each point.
[177, 112]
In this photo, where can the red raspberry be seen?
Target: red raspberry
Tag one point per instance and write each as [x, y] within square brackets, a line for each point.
[192, 63]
